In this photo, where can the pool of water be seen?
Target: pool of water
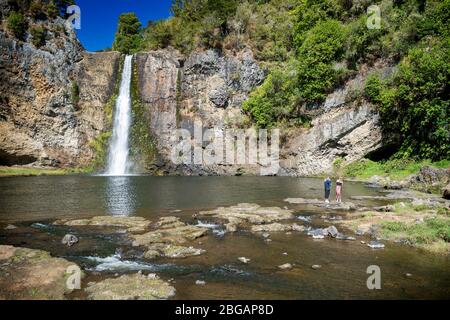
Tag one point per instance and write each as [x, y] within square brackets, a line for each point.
[33, 203]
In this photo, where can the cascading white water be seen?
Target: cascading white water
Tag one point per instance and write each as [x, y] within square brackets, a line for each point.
[119, 148]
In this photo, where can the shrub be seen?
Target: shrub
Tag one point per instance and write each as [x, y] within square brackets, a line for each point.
[273, 101]
[39, 35]
[323, 44]
[414, 104]
[38, 10]
[373, 88]
[17, 25]
[75, 94]
[52, 10]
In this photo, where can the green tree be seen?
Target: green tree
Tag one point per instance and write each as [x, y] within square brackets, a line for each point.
[127, 38]
[39, 35]
[17, 25]
[322, 45]
[414, 103]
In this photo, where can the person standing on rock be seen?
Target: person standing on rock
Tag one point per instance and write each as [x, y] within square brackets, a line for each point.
[327, 185]
[339, 185]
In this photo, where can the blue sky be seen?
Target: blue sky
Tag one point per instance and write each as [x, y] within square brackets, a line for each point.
[99, 18]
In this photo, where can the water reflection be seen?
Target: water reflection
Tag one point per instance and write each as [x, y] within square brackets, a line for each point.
[120, 198]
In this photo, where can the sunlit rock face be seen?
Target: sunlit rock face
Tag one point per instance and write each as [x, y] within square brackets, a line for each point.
[209, 87]
[343, 127]
[39, 122]
[348, 132]
[206, 86]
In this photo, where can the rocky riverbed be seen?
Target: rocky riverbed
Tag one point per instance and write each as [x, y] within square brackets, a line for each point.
[289, 248]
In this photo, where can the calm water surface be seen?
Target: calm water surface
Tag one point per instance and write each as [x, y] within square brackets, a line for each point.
[34, 202]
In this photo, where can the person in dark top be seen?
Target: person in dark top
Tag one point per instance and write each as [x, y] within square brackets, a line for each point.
[339, 185]
[327, 185]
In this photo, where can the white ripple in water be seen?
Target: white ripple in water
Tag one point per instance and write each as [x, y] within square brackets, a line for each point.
[214, 227]
[115, 264]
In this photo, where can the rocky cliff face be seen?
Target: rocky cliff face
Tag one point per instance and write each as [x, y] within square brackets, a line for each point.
[41, 121]
[53, 98]
[347, 130]
[206, 87]
[209, 87]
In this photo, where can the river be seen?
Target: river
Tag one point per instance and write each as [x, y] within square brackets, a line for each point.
[33, 203]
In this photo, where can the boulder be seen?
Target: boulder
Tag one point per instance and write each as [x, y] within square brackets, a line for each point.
[432, 175]
[331, 231]
[69, 240]
[219, 97]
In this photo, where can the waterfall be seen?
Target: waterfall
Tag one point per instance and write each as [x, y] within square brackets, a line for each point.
[119, 148]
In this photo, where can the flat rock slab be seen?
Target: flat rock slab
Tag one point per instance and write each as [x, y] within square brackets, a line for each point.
[171, 251]
[405, 194]
[130, 287]
[277, 227]
[131, 224]
[32, 274]
[167, 239]
[246, 213]
[320, 203]
[304, 201]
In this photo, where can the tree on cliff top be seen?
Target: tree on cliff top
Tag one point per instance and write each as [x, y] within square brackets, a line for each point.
[127, 36]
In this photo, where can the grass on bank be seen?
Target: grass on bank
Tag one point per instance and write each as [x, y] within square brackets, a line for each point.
[24, 171]
[432, 234]
[416, 225]
[397, 169]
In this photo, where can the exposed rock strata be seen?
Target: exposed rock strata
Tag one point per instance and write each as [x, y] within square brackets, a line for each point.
[40, 122]
[209, 87]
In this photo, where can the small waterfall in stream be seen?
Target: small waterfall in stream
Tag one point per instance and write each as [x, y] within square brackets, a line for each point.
[118, 152]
